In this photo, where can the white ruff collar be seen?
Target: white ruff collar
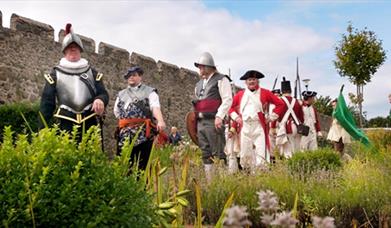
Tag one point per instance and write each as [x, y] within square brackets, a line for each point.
[73, 65]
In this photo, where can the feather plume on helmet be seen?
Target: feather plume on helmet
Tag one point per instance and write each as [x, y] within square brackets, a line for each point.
[71, 37]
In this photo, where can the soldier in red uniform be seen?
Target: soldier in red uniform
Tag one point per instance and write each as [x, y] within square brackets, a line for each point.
[287, 137]
[248, 110]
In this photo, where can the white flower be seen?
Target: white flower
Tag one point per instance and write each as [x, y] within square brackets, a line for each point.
[267, 201]
[236, 217]
[285, 220]
[326, 222]
[267, 219]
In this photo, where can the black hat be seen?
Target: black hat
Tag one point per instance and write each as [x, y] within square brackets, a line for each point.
[132, 70]
[252, 74]
[278, 91]
[285, 86]
[309, 94]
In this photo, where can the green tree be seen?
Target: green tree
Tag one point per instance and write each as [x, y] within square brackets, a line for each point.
[358, 56]
[379, 122]
[323, 105]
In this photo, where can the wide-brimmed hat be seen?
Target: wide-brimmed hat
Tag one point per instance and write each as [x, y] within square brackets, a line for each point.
[252, 74]
[132, 70]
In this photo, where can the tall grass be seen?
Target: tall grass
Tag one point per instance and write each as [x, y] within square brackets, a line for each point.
[356, 191]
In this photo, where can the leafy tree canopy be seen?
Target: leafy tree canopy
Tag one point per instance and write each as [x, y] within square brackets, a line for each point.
[359, 55]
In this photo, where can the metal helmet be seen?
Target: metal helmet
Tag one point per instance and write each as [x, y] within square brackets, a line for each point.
[71, 37]
[205, 59]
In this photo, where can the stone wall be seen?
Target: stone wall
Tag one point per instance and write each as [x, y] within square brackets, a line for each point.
[28, 50]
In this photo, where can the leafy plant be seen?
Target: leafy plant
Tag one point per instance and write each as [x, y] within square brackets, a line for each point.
[53, 181]
[323, 105]
[21, 116]
[307, 162]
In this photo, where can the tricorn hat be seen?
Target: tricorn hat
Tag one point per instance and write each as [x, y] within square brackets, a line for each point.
[132, 70]
[285, 86]
[252, 74]
[307, 94]
[276, 91]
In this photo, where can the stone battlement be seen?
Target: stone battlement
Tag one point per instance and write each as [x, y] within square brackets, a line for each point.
[28, 49]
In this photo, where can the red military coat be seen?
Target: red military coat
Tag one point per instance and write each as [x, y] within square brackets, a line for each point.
[266, 98]
[297, 109]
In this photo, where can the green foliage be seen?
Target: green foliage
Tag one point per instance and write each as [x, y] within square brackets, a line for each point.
[356, 190]
[307, 162]
[379, 122]
[381, 139]
[359, 55]
[323, 105]
[11, 115]
[53, 181]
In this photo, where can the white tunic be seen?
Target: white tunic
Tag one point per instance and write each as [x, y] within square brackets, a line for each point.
[310, 141]
[253, 152]
[337, 131]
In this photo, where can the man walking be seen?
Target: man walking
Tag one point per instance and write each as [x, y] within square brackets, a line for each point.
[311, 120]
[287, 137]
[213, 100]
[248, 110]
[137, 107]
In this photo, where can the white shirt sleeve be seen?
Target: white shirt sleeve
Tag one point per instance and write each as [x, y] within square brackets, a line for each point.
[116, 110]
[226, 97]
[153, 100]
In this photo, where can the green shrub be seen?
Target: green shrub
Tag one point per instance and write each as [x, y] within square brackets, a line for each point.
[309, 161]
[55, 182]
[10, 115]
[380, 138]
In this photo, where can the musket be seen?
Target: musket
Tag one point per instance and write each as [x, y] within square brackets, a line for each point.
[297, 78]
[295, 93]
[275, 82]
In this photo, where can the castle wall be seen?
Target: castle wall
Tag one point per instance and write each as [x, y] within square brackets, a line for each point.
[28, 50]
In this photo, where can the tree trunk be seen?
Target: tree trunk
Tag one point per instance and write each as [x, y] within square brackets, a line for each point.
[360, 97]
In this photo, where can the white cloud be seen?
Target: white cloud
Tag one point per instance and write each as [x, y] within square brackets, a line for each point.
[179, 31]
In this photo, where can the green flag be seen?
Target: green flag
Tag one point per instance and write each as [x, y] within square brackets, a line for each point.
[346, 120]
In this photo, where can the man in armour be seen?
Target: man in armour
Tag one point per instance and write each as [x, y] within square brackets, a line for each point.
[137, 107]
[249, 111]
[213, 99]
[77, 87]
[311, 119]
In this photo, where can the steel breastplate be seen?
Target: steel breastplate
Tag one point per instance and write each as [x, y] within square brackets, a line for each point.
[72, 93]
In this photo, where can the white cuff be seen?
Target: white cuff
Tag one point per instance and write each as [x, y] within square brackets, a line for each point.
[273, 116]
[234, 115]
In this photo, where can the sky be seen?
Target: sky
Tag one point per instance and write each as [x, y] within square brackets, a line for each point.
[262, 35]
